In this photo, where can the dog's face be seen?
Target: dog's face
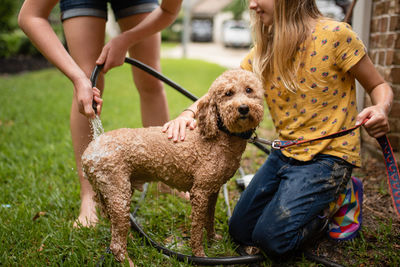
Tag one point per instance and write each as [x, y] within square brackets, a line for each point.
[237, 98]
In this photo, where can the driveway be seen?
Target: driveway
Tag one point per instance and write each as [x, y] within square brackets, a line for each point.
[211, 52]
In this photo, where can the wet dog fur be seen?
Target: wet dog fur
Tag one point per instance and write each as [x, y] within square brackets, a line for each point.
[119, 161]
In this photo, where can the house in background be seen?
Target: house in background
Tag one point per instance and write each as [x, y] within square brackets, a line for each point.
[208, 14]
[209, 20]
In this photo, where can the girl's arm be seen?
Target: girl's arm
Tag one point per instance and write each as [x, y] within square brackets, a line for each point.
[114, 51]
[33, 20]
[381, 95]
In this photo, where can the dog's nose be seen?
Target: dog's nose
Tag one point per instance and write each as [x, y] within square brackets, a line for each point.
[243, 109]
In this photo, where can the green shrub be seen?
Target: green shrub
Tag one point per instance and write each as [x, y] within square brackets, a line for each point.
[237, 7]
[8, 9]
[13, 41]
[16, 43]
[173, 33]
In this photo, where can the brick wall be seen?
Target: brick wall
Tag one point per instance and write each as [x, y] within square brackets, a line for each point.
[384, 50]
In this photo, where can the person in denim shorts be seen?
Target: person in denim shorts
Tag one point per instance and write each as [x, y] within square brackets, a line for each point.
[84, 24]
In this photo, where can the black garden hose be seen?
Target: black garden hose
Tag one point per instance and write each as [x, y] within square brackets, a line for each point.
[192, 259]
[93, 79]
[247, 259]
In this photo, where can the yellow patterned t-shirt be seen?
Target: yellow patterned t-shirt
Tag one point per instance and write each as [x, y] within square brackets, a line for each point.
[326, 100]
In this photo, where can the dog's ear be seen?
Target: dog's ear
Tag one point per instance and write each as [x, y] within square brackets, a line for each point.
[207, 116]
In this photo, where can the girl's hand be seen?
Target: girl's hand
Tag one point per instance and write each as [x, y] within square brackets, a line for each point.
[83, 92]
[97, 98]
[176, 129]
[113, 53]
[381, 97]
[378, 122]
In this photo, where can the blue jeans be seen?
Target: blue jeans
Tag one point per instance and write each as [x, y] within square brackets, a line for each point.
[281, 207]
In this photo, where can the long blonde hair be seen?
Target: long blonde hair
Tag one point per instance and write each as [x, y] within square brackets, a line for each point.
[276, 45]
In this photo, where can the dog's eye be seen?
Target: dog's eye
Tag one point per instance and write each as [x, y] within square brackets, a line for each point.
[229, 93]
[249, 90]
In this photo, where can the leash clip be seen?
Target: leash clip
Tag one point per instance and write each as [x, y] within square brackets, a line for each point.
[276, 144]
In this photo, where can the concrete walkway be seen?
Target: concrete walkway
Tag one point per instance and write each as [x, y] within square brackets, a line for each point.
[211, 52]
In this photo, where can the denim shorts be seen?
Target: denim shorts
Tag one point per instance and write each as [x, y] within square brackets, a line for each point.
[98, 8]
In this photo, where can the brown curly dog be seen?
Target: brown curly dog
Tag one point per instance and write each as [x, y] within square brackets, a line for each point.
[119, 161]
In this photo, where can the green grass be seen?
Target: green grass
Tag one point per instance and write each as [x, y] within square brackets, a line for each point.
[39, 192]
[39, 188]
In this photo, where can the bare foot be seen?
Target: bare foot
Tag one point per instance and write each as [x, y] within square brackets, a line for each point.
[88, 215]
[130, 262]
[163, 188]
[217, 237]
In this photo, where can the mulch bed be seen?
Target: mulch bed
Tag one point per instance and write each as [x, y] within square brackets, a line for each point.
[22, 63]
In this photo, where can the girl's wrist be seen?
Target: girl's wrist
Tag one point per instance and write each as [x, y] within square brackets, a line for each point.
[189, 111]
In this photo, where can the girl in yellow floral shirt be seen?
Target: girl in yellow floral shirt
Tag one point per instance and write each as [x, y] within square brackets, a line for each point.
[308, 64]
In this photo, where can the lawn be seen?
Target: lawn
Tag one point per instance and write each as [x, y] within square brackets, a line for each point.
[39, 192]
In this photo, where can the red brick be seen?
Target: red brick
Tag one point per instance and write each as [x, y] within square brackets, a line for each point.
[383, 24]
[396, 91]
[387, 7]
[396, 56]
[371, 54]
[395, 7]
[387, 74]
[389, 55]
[394, 140]
[382, 57]
[397, 45]
[394, 24]
[374, 25]
[395, 111]
[387, 40]
[379, 9]
[395, 75]
[373, 41]
[391, 39]
[394, 125]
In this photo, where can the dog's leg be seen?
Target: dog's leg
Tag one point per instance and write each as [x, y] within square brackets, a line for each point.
[199, 202]
[210, 217]
[117, 198]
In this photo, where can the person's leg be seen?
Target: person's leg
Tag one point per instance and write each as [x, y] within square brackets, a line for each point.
[153, 101]
[85, 39]
[254, 199]
[306, 189]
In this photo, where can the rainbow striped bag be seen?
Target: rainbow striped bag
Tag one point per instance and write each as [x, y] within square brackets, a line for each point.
[346, 221]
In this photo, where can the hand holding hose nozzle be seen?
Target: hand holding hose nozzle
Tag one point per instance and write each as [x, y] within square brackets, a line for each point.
[93, 79]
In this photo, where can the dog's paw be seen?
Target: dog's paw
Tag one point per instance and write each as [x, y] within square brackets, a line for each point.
[214, 237]
[217, 237]
[199, 253]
